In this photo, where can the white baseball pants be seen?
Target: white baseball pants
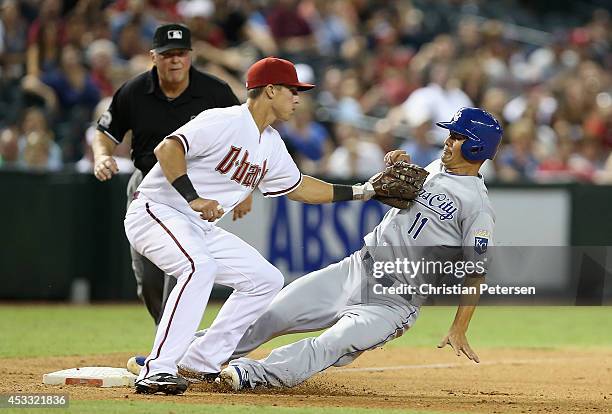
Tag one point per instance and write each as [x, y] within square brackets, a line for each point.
[199, 254]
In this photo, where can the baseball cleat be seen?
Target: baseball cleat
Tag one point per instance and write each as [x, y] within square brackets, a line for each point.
[165, 383]
[195, 377]
[135, 364]
[237, 378]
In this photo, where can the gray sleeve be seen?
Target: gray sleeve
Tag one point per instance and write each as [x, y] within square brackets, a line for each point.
[477, 232]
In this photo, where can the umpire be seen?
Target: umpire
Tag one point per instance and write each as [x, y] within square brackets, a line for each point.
[153, 105]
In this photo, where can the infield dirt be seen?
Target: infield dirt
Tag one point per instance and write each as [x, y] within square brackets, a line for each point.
[506, 381]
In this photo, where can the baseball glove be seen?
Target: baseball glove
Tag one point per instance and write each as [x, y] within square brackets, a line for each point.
[398, 184]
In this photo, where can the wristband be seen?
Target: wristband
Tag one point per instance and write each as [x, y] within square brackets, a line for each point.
[342, 192]
[185, 188]
[352, 192]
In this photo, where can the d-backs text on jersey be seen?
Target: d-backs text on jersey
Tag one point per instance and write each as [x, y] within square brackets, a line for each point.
[245, 173]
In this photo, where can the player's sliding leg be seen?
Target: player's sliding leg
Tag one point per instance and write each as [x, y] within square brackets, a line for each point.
[310, 303]
[255, 282]
[362, 327]
[295, 308]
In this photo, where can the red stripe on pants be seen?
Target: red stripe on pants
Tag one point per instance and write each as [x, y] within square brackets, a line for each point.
[180, 293]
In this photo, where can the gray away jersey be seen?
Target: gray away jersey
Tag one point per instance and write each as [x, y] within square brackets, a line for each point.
[451, 216]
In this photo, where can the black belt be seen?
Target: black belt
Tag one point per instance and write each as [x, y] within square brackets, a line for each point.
[385, 281]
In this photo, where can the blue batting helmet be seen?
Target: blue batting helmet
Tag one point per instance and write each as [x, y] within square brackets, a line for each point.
[482, 130]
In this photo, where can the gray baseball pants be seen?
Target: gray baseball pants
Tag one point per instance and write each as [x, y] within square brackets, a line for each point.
[328, 298]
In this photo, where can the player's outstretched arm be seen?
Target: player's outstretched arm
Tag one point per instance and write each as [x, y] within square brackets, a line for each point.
[456, 337]
[315, 191]
[171, 157]
[104, 163]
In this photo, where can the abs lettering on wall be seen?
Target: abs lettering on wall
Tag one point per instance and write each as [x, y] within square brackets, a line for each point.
[304, 238]
[279, 241]
[312, 241]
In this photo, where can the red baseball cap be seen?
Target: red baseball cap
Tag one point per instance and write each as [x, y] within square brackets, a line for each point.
[274, 71]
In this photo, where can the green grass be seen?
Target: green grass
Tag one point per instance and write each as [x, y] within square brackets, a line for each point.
[145, 407]
[55, 330]
[518, 327]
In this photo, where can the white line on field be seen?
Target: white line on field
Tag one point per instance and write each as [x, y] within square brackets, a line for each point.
[447, 365]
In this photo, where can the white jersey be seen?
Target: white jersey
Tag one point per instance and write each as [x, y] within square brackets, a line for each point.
[226, 159]
[451, 211]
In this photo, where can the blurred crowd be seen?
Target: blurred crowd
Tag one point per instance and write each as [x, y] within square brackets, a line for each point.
[386, 72]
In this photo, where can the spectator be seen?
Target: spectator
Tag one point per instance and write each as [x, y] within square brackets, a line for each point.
[557, 167]
[101, 55]
[440, 99]
[138, 18]
[517, 162]
[588, 160]
[38, 152]
[13, 40]
[308, 139]
[604, 176]
[200, 18]
[373, 60]
[13, 35]
[420, 147]
[9, 148]
[574, 102]
[72, 94]
[494, 101]
[129, 43]
[348, 107]
[355, 155]
[334, 22]
[289, 28]
[37, 149]
[45, 38]
[35, 120]
[76, 32]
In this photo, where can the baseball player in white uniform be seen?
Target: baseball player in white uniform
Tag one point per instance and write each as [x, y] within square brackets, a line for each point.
[205, 168]
[452, 209]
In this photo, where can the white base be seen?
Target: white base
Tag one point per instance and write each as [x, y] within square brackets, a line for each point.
[91, 376]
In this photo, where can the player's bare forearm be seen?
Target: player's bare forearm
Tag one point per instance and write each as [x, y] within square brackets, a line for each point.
[171, 157]
[456, 336]
[312, 191]
[467, 303]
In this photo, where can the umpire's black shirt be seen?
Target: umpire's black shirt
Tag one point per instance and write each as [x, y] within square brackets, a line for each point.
[140, 105]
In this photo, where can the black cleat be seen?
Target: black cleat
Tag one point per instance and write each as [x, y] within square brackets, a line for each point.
[165, 383]
[195, 377]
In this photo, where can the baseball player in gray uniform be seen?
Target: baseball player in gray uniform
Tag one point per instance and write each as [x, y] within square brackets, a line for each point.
[452, 209]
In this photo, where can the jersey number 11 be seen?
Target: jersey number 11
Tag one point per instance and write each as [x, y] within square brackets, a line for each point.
[422, 223]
